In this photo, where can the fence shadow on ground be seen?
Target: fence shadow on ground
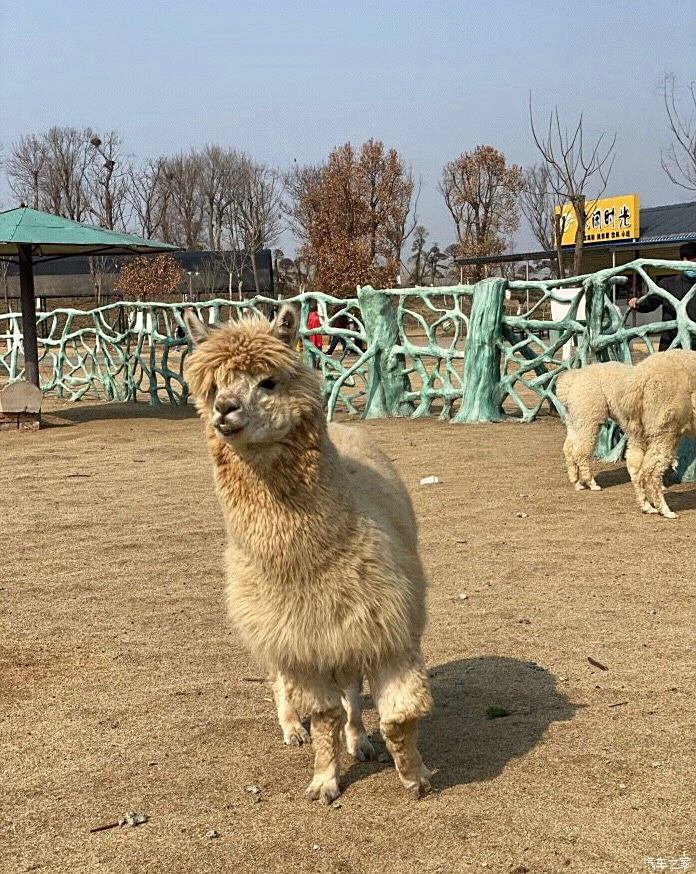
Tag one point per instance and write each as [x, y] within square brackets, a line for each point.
[65, 417]
[461, 743]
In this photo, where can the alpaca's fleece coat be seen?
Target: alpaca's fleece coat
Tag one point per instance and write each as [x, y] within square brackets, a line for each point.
[654, 403]
[324, 581]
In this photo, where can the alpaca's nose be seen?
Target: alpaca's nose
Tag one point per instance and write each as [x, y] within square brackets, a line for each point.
[225, 405]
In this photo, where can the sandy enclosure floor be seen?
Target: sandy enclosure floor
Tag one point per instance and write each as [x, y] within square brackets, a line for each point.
[122, 686]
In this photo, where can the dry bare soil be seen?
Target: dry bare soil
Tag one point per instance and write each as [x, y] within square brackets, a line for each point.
[122, 686]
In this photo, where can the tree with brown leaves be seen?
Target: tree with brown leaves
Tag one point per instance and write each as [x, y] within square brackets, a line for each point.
[481, 192]
[149, 278]
[352, 214]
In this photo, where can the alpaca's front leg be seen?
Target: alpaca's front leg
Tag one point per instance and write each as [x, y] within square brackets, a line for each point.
[357, 741]
[401, 738]
[402, 695]
[326, 729]
[294, 733]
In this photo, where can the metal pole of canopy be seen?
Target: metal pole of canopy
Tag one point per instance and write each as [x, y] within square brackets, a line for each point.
[26, 284]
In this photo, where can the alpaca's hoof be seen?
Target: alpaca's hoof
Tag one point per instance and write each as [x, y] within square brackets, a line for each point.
[579, 486]
[421, 786]
[323, 791]
[360, 748]
[668, 514]
[595, 487]
[296, 735]
[647, 508]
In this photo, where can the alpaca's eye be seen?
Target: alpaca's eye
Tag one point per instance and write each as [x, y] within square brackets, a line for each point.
[268, 384]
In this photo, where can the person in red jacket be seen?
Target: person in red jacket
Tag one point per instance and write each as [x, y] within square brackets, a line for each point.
[313, 321]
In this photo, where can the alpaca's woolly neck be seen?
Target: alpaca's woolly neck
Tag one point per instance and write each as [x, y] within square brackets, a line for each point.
[284, 502]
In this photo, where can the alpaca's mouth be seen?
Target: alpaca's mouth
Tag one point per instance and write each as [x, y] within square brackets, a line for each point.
[228, 428]
[230, 423]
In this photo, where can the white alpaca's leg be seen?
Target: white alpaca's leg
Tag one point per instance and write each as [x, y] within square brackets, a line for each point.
[658, 458]
[294, 733]
[326, 731]
[357, 741]
[573, 473]
[635, 453]
[580, 445]
[402, 696]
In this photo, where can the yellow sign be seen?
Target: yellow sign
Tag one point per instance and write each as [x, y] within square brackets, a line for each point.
[611, 218]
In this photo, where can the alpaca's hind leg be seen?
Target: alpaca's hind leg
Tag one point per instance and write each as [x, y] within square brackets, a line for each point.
[294, 733]
[571, 465]
[658, 457]
[635, 453]
[402, 695]
[357, 742]
[326, 730]
[578, 449]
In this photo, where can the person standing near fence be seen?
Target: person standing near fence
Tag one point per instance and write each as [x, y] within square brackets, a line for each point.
[314, 322]
[678, 285]
[340, 322]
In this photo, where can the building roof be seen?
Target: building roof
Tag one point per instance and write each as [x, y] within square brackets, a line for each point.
[660, 226]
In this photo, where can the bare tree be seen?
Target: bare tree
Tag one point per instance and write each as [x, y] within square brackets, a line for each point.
[222, 175]
[299, 206]
[538, 204]
[572, 168]
[679, 159]
[107, 177]
[26, 169]
[183, 176]
[256, 217]
[65, 187]
[148, 195]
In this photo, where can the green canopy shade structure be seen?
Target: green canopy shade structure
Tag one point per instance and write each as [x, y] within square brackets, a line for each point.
[26, 234]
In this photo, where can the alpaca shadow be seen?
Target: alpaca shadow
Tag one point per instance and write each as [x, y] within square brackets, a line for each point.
[459, 740]
[607, 479]
[683, 499]
[117, 411]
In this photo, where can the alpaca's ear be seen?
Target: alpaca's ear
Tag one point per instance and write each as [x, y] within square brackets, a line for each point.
[286, 325]
[196, 328]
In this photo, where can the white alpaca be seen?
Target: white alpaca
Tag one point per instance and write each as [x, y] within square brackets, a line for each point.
[324, 581]
[654, 403]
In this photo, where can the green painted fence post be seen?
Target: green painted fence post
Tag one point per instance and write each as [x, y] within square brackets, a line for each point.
[611, 443]
[481, 388]
[385, 370]
[686, 461]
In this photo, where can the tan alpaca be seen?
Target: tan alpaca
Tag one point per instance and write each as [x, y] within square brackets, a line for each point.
[654, 403]
[324, 581]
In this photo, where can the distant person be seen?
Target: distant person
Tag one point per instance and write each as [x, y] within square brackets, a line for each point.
[340, 322]
[677, 284]
[314, 322]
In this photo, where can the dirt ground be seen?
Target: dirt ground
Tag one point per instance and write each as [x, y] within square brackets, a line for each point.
[122, 686]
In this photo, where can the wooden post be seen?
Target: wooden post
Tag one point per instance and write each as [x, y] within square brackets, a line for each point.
[26, 284]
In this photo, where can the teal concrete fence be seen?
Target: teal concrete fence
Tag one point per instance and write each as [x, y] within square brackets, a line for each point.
[469, 353]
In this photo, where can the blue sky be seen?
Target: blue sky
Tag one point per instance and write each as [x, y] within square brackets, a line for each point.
[290, 80]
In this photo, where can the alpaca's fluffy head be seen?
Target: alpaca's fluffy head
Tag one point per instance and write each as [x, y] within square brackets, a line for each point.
[248, 382]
